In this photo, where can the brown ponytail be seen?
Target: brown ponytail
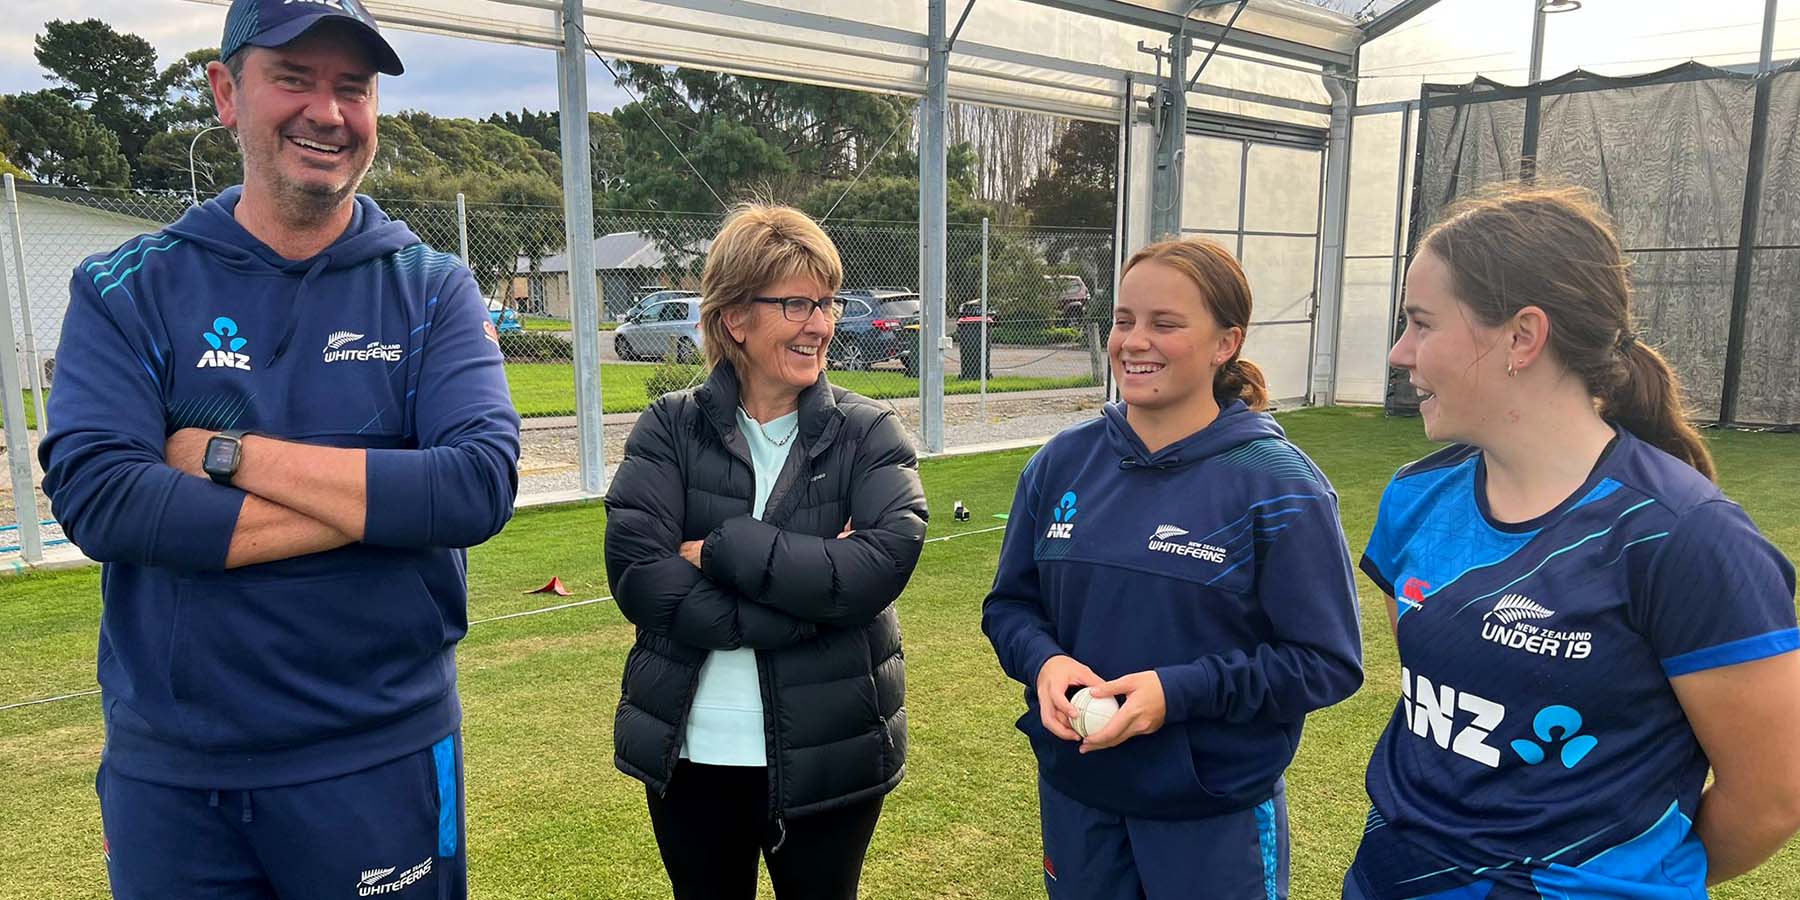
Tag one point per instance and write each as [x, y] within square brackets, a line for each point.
[1517, 245]
[1240, 379]
[1644, 397]
[1226, 292]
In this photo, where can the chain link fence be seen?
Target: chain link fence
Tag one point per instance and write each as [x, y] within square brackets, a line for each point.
[1026, 316]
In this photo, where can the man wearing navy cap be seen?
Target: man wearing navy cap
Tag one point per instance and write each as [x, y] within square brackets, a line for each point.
[284, 419]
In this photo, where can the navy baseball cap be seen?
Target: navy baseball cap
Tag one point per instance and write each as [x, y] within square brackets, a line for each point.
[275, 23]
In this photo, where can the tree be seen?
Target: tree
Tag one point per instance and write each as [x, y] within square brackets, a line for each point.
[1012, 147]
[419, 142]
[61, 143]
[743, 136]
[544, 127]
[1077, 188]
[874, 225]
[606, 147]
[187, 98]
[164, 163]
[110, 74]
[511, 186]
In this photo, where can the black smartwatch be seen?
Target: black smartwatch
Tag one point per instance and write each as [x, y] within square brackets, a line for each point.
[223, 453]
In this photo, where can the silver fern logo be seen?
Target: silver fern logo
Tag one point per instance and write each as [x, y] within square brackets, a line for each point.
[1164, 532]
[338, 339]
[1517, 622]
[1514, 608]
[371, 876]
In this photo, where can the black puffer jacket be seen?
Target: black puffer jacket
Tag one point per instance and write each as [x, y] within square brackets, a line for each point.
[818, 610]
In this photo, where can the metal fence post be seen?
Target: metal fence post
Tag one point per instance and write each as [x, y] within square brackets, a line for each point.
[983, 348]
[462, 227]
[18, 442]
[933, 222]
[31, 353]
[578, 228]
[1747, 226]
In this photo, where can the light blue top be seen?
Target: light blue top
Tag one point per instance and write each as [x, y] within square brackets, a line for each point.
[725, 721]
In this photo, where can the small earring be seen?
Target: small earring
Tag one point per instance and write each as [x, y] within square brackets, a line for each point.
[1510, 371]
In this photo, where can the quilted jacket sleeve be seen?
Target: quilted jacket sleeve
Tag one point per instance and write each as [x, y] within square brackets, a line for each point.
[653, 585]
[829, 580]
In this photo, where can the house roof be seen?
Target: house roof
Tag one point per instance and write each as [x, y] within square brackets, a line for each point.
[619, 250]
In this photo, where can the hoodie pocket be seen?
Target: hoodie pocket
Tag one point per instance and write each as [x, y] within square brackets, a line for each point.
[264, 663]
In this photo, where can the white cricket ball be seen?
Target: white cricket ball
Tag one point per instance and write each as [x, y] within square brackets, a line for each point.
[1091, 712]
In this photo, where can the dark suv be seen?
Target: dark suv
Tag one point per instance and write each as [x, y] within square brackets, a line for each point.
[873, 326]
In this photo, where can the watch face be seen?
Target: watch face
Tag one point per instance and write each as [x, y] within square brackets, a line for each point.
[220, 455]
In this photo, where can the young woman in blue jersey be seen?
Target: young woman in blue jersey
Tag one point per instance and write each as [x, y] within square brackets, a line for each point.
[1180, 555]
[1585, 622]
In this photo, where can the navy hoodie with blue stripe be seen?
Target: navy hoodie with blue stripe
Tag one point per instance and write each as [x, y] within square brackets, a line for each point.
[314, 666]
[1217, 562]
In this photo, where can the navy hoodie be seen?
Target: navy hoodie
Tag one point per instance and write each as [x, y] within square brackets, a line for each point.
[1217, 562]
[304, 668]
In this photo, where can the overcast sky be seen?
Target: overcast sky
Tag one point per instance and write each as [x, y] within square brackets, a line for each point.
[444, 76]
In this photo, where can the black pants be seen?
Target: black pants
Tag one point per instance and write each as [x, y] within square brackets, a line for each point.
[715, 821]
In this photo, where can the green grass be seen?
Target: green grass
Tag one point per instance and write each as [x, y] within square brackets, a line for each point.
[548, 389]
[30, 407]
[545, 323]
[550, 817]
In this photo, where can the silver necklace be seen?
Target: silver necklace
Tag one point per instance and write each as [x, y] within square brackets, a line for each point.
[765, 432]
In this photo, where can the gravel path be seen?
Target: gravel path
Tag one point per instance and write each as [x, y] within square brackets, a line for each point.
[549, 460]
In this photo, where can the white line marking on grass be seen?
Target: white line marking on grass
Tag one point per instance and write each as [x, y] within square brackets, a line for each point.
[964, 534]
[516, 615]
[50, 699]
[534, 612]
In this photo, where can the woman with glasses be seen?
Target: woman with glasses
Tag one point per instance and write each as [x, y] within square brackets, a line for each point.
[758, 532]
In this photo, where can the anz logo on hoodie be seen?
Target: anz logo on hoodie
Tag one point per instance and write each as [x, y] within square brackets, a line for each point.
[225, 343]
[1062, 525]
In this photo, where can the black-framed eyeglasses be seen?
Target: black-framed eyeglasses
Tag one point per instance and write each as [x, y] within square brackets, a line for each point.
[799, 309]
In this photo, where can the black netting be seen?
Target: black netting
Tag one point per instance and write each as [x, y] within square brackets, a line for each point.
[1668, 155]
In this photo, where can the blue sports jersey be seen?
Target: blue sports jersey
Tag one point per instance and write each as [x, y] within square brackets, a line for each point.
[1538, 749]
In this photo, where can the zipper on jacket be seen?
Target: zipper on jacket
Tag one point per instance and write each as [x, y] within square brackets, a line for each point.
[780, 833]
[765, 676]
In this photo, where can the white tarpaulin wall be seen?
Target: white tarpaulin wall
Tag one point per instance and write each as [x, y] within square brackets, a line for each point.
[1262, 202]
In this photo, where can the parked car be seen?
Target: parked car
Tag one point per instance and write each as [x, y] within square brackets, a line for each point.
[1069, 291]
[506, 319]
[652, 332]
[656, 295]
[871, 330]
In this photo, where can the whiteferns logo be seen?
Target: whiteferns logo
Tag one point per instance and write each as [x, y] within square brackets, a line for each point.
[1512, 624]
[374, 883]
[1160, 543]
[339, 348]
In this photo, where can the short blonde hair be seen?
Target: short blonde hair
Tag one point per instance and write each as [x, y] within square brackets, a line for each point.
[759, 245]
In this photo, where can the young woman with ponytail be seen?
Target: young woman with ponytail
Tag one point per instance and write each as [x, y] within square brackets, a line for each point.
[1585, 623]
[1180, 555]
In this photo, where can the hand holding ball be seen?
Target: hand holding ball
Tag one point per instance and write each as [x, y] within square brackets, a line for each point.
[1091, 713]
